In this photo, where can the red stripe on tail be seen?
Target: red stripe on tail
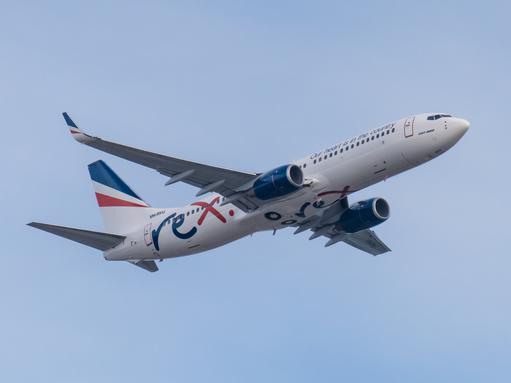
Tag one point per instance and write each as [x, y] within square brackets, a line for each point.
[106, 201]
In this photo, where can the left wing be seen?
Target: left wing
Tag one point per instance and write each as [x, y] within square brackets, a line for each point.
[206, 177]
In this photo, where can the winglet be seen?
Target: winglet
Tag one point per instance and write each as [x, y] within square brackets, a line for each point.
[77, 134]
[69, 122]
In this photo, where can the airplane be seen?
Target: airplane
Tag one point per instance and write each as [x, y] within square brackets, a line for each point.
[310, 194]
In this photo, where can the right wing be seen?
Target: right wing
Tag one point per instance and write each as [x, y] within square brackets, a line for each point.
[365, 240]
[324, 225]
[209, 178]
[368, 241]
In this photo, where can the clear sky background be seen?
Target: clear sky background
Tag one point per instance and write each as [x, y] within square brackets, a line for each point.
[252, 85]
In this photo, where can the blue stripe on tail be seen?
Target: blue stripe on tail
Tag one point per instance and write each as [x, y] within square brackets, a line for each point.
[101, 172]
[69, 122]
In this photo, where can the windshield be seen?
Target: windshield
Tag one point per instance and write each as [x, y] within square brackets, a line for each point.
[437, 116]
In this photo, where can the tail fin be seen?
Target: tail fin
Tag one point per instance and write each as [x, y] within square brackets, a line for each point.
[121, 208]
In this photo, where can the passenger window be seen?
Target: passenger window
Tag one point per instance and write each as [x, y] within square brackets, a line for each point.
[393, 130]
[335, 153]
[352, 146]
[304, 166]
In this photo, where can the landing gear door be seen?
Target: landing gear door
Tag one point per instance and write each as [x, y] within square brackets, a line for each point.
[408, 127]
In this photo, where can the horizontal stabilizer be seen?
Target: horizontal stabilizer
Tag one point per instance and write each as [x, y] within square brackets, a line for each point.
[146, 265]
[97, 240]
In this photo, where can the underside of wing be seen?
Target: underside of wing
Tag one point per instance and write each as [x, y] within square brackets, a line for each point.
[206, 177]
[324, 225]
[366, 240]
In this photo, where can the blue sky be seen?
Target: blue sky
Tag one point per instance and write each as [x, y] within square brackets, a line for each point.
[252, 85]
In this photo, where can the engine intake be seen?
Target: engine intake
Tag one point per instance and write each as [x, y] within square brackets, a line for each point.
[278, 182]
[364, 215]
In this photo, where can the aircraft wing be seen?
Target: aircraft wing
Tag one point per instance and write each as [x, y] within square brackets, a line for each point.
[366, 240]
[324, 225]
[206, 177]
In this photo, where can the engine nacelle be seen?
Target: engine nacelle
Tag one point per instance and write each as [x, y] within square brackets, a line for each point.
[278, 182]
[364, 215]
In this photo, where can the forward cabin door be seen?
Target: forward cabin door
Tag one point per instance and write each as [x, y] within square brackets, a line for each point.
[408, 127]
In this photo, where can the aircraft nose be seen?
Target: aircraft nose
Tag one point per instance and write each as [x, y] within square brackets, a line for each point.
[461, 125]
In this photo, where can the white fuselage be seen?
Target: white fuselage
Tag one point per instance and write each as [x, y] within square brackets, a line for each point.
[330, 174]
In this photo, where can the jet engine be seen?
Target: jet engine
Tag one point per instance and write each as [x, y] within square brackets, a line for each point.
[364, 215]
[278, 182]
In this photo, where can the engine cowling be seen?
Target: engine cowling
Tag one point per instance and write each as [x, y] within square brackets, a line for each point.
[278, 182]
[364, 215]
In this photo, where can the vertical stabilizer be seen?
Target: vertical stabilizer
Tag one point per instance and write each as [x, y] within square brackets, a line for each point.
[121, 208]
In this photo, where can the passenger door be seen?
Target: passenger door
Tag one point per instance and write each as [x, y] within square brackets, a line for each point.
[408, 127]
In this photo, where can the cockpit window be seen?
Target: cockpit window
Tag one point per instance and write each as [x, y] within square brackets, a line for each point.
[437, 116]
